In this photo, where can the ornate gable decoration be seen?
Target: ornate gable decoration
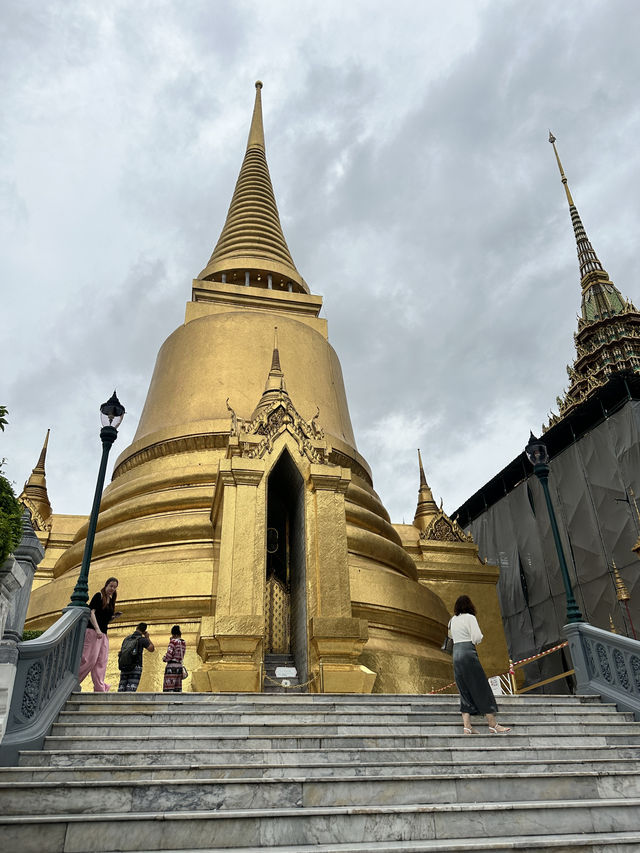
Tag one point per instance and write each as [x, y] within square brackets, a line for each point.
[443, 529]
[39, 523]
[256, 437]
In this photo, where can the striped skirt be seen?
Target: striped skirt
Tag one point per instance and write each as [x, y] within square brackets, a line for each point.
[476, 696]
[172, 678]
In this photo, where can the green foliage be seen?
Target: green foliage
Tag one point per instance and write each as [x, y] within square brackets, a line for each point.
[3, 417]
[10, 519]
[31, 635]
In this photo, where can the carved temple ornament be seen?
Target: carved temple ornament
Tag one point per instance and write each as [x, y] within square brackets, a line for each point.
[256, 437]
[39, 523]
[443, 529]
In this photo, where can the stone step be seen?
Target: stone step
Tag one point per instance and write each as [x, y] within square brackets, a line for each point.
[200, 769]
[499, 750]
[598, 843]
[202, 714]
[601, 842]
[177, 795]
[258, 728]
[268, 828]
[338, 699]
[168, 741]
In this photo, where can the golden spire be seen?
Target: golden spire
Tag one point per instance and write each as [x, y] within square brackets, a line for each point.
[252, 249]
[256, 131]
[34, 495]
[275, 386]
[427, 507]
[598, 301]
[612, 627]
[622, 592]
[552, 140]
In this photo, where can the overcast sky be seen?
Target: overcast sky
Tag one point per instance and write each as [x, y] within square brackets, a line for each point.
[407, 144]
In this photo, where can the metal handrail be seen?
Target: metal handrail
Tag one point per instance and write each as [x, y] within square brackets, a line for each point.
[607, 664]
[46, 675]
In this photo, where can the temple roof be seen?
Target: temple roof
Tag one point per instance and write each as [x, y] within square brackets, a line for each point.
[251, 248]
[608, 336]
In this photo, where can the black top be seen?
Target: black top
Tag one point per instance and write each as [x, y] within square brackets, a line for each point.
[143, 641]
[103, 614]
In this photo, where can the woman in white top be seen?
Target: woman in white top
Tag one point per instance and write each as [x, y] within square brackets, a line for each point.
[476, 696]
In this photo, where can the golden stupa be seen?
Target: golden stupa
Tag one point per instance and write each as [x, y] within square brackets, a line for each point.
[243, 511]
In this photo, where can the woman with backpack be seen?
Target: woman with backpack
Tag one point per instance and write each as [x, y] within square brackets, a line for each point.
[174, 672]
[95, 651]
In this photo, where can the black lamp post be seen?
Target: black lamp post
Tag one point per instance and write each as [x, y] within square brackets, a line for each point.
[537, 453]
[111, 415]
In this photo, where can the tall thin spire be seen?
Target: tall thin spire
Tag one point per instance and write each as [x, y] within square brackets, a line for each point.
[34, 495]
[427, 507]
[552, 140]
[597, 300]
[256, 131]
[251, 249]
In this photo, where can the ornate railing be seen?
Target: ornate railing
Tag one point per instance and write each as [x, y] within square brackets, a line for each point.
[607, 664]
[46, 675]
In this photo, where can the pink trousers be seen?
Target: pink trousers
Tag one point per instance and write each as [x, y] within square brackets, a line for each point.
[95, 653]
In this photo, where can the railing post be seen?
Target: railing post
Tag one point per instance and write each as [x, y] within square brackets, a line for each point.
[578, 657]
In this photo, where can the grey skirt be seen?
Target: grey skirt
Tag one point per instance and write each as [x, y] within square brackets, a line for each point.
[476, 696]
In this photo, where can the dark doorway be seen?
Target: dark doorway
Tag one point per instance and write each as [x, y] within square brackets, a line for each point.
[285, 593]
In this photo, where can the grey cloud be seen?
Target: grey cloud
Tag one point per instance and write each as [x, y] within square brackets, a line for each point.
[417, 191]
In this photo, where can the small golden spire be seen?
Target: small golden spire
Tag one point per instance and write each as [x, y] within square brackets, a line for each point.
[552, 140]
[426, 508]
[612, 627]
[622, 592]
[275, 386]
[34, 495]
[275, 358]
[423, 479]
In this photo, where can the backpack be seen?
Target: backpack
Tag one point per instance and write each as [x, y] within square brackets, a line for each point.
[129, 654]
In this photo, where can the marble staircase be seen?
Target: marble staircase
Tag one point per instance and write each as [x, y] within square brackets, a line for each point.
[285, 773]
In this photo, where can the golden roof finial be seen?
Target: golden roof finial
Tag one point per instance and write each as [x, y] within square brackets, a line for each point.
[275, 386]
[612, 627]
[423, 479]
[426, 508]
[552, 140]
[622, 592]
[275, 358]
[34, 495]
[598, 300]
[252, 249]
[256, 132]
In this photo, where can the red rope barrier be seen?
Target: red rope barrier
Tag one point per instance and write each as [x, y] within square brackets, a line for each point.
[511, 670]
[541, 655]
